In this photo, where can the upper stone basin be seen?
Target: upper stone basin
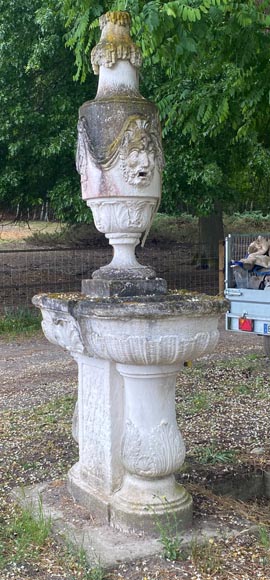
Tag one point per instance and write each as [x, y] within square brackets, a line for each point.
[153, 330]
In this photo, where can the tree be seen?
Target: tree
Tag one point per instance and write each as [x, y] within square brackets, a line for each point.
[38, 110]
[207, 66]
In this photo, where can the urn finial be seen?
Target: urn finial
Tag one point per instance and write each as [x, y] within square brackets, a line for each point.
[115, 43]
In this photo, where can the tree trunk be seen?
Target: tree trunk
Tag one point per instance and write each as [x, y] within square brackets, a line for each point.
[210, 233]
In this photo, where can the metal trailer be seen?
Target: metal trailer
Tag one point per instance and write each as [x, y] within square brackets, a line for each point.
[249, 306]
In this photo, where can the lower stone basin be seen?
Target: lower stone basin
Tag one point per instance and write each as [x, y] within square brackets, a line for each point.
[129, 352]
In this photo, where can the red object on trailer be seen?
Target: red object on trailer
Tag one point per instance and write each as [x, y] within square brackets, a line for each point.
[246, 324]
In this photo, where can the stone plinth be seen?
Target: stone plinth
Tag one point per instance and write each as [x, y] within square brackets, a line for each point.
[129, 352]
[100, 288]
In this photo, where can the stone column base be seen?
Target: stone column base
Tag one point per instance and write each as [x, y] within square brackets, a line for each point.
[138, 507]
[96, 502]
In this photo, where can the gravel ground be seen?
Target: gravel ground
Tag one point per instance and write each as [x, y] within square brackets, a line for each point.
[223, 407]
[34, 372]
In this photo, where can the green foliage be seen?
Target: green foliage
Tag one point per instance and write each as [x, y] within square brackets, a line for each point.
[264, 537]
[19, 321]
[247, 222]
[87, 572]
[38, 111]
[206, 64]
[167, 529]
[199, 402]
[23, 536]
[206, 556]
[171, 548]
[213, 455]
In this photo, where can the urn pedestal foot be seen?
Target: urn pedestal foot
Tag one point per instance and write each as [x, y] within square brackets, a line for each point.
[124, 264]
[143, 505]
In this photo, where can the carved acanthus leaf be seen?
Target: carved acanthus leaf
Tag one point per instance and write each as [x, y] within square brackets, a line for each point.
[153, 454]
[116, 216]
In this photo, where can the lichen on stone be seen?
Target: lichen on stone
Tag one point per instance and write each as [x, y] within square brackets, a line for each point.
[116, 43]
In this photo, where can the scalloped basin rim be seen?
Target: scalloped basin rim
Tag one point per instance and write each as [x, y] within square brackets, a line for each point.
[186, 303]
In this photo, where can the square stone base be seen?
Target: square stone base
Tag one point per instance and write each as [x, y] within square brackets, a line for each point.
[104, 545]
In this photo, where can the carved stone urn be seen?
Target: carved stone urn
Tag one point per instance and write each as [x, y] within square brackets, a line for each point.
[119, 153]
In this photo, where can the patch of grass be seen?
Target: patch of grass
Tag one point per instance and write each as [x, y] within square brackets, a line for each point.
[214, 455]
[75, 236]
[26, 544]
[23, 536]
[264, 542]
[44, 448]
[170, 542]
[241, 362]
[199, 402]
[244, 389]
[264, 537]
[20, 321]
[257, 387]
[54, 410]
[262, 388]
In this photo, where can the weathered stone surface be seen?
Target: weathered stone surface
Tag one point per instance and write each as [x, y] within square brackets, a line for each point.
[115, 43]
[134, 272]
[129, 351]
[129, 348]
[119, 152]
[99, 288]
[182, 302]
[137, 507]
[106, 546]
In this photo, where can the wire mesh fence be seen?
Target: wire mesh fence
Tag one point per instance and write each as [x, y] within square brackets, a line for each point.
[24, 273]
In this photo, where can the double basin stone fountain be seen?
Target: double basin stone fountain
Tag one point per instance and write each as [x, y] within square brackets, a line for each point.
[129, 336]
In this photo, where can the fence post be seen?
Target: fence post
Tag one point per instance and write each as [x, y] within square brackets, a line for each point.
[221, 266]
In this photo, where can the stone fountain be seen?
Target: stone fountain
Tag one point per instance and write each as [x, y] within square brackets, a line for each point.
[128, 336]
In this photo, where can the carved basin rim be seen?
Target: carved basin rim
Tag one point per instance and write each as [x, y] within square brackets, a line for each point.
[180, 303]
